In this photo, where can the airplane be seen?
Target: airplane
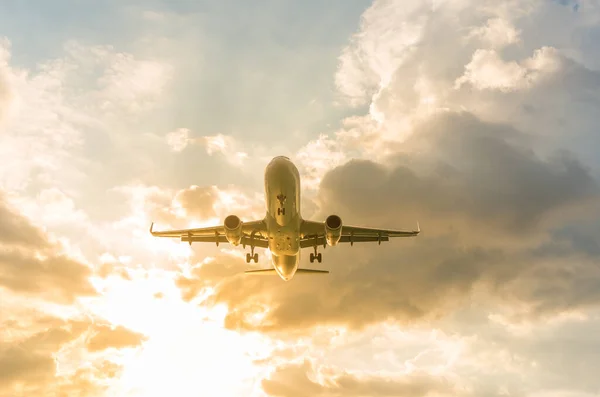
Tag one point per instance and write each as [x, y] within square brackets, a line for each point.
[282, 230]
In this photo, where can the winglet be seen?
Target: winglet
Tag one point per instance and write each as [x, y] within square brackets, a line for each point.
[418, 227]
[151, 225]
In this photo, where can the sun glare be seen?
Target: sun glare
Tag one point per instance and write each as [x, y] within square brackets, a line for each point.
[187, 352]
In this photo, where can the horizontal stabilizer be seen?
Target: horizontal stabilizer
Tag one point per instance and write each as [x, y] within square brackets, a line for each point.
[314, 271]
[272, 271]
[261, 271]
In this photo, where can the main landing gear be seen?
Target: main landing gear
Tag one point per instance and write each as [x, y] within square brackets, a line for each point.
[316, 256]
[280, 211]
[253, 256]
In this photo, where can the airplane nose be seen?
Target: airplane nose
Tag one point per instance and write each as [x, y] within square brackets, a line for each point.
[286, 266]
[286, 273]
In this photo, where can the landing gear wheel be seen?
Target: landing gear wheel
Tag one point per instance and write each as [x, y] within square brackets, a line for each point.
[247, 258]
[312, 257]
[255, 257]
[319, 257]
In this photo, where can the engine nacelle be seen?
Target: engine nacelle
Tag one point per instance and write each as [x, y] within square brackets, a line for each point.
[233, 229]
[333, 229]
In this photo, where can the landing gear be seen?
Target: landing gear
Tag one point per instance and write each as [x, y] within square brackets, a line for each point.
[316, 256]
[280, 211]
[252, 257]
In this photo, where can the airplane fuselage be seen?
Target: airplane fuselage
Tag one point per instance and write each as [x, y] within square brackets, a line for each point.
[282, 230]
[283, 219]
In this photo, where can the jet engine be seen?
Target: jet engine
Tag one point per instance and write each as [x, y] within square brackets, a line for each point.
[333, 229]
[233, 229]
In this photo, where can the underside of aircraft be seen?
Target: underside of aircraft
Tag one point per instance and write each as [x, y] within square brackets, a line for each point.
[282, 230]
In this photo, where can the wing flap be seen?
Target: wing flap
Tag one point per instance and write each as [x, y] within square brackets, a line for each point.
[253, 234]
[310, 242]
[367, 231]
[314, 234]
[258, 242]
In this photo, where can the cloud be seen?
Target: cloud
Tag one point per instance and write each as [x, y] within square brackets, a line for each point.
[316, 158]
[118, 337]
[198, 202]
[292, 380]
[31, 264]
[16, 229]
[75, 117]
[539, 84]
[6, 94]
[455, 166]
[178, 139]
[33, 351]
[497, 32]
[125, 83]
[227, 146]
[487, 204]
[30, 360]
[488, 71]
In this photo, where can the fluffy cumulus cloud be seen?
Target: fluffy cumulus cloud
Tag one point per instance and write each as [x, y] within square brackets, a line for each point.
[32, 264]
[33, 347]
[480, 116]
[494, 196]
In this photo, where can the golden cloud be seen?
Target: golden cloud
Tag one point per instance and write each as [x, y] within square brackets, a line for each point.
[291, 380]
[31, 264]
[491, 206]
[105, 337]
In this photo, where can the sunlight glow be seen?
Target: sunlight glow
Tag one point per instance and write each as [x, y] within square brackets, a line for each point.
[210, 359]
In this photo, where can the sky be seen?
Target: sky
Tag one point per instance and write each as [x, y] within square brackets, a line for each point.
[478, 119]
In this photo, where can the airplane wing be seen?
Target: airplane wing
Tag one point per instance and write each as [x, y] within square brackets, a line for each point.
[253, 233]
[314, 234]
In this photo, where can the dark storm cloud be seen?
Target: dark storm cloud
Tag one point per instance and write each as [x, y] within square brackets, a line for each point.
[469, 171]
[490, 205]
[30, 264]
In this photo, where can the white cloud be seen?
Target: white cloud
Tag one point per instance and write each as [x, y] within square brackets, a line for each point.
[382, 45]
[61, 108]
[497, 32]
[316, 158]
[125, 83]
[226, 145]
[488, 71]
[5, 79]
[178, 139]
